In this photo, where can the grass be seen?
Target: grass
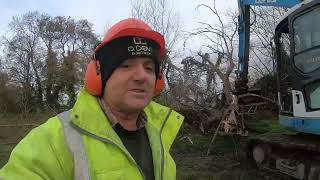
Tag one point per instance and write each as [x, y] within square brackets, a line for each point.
[198, 144]
[227, 159]
[25, 118]
[14, 134]
[5, 151]
[3, 156]
[266, 126]
[193, 163]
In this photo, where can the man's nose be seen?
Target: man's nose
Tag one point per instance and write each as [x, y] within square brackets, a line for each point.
[140, 73]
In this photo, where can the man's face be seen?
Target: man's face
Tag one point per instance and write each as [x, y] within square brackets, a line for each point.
[131, 85]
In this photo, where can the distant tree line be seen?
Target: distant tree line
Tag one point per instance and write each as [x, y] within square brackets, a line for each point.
[43, 62]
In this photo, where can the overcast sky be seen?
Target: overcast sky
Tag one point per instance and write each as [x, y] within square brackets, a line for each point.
[103, 13]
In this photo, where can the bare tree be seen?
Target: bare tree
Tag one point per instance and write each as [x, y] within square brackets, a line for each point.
[69, 44]
[8, 98]
[162, 17]
[188, 90]
[220, 39]
[23, 53]
[46, 57]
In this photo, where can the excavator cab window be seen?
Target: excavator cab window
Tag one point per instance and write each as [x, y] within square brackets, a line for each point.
[307, 41]
[306, 55]
[313, 91]
[284, 68]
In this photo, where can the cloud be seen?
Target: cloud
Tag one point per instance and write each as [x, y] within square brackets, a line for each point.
[101, 13]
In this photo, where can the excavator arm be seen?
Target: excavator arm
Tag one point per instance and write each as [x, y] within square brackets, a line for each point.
[244, 36]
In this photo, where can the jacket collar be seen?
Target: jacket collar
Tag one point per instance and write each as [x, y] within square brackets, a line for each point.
[141, 121]
[88, 115]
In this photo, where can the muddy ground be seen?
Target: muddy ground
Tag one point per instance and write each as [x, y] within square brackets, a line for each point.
[226, 161]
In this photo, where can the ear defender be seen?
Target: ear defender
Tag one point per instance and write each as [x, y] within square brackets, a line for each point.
[92, 80]
[160, 84]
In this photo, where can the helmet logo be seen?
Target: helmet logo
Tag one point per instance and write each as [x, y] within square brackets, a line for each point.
[139, 41]
[140, 47]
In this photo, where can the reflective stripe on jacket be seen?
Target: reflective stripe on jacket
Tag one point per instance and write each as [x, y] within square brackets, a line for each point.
[43, 153]
[75, 145]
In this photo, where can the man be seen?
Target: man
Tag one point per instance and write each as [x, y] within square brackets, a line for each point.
[114, 130]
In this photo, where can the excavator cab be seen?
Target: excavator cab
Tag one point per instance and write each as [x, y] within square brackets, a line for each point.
[297, 42]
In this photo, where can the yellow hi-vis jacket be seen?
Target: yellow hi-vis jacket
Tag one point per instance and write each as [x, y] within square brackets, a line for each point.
[45, 152]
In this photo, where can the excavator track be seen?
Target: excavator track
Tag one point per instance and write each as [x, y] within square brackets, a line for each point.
[297, 155]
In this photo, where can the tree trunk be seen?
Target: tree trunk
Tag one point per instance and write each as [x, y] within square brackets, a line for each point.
[38, 81]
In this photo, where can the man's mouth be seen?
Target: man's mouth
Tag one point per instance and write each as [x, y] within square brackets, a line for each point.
[138, 90]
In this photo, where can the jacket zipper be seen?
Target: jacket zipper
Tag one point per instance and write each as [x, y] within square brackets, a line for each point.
[162, 150]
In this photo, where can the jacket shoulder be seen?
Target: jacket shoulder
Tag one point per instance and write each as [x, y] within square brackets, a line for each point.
[167, 121]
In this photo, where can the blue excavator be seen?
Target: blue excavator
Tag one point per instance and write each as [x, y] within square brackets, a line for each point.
[297, 50]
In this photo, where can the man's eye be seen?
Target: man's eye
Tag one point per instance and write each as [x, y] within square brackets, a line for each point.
[149, 68]
[124, 66]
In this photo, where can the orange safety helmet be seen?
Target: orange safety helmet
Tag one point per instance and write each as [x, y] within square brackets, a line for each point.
[128, 27]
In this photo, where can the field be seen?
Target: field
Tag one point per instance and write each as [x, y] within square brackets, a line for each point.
[227, 158]
[13, 128]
